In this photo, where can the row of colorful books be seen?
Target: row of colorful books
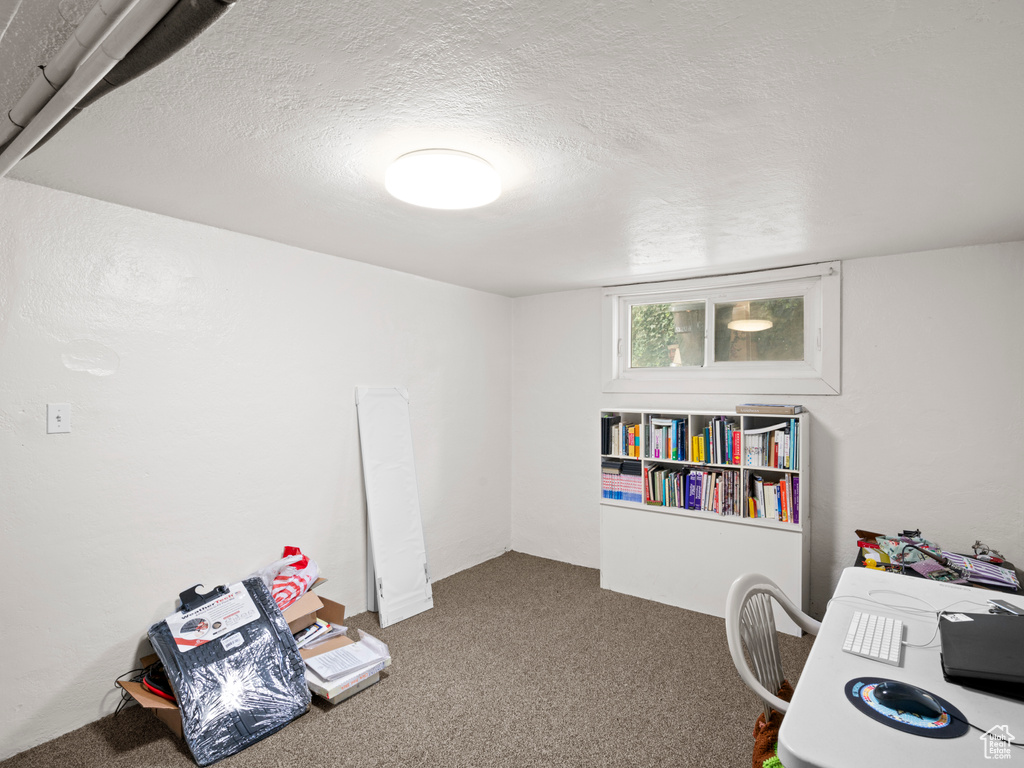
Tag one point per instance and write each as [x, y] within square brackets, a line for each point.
[711, 491]
[666, 439]
[618, 439]
[775, 446]
[719, 442]
[622, 480]
[775, 499]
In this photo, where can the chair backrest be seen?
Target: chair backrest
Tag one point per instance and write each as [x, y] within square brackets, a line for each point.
[750, 624]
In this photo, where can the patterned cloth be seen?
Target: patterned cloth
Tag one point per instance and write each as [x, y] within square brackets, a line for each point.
[766, 736]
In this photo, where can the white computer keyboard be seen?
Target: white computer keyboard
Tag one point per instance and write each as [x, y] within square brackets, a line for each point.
[875, 637]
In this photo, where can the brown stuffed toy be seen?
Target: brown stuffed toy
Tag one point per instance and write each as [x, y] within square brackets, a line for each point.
[766, 735]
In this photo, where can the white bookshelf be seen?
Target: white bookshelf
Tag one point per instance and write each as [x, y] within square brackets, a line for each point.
[660, 548]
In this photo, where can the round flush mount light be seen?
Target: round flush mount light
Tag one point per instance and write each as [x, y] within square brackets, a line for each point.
[443, 178]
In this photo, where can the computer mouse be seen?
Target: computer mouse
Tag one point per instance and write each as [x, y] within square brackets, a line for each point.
[907, 698]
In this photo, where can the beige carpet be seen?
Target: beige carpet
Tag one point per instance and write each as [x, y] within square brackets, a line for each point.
[523, 662]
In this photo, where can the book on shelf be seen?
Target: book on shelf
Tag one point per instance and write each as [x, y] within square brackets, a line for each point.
[784, 495]
[608, 420]
[618, 439]
[770, 409]
[764, 430]
[795, 483]
[774, 499]
[666, 439]
[718, 442]
[693, 489]
[775, 446]
[771, 498]
[621, 480]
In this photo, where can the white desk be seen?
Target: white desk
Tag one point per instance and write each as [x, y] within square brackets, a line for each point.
[822, 729]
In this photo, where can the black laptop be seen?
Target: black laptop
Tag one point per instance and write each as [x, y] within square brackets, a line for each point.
[986, 653]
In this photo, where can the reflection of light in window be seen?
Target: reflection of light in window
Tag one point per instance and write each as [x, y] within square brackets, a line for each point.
[742, 321]
[750, 325]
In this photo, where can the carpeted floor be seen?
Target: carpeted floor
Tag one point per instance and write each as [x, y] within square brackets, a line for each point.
[523, 662]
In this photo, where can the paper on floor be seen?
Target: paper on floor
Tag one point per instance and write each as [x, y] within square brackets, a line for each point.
[349, 659]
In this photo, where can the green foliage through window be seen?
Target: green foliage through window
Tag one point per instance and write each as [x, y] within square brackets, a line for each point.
[652, 332]
[667, 335]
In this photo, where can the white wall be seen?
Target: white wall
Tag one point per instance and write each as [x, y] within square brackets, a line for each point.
[217, 425]
[556, 399]
[928, 431]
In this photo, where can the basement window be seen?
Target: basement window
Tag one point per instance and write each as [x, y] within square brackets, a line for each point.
[770, 332]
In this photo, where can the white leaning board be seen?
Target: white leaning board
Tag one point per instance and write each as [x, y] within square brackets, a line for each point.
[398, 581]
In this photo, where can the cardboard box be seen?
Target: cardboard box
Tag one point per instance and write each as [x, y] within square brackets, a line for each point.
[299, 615]
[165, 711]
[311, 608]
[339, 691]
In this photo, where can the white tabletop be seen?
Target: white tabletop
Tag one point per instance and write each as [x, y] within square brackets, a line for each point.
[823, 729]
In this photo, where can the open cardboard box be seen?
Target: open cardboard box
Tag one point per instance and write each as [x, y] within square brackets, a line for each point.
[313, 608]
[299, 615]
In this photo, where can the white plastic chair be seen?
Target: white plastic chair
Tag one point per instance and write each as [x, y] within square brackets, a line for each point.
[749, 623]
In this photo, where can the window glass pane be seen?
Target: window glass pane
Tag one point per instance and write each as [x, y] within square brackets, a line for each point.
[667, 335]
[760, 330]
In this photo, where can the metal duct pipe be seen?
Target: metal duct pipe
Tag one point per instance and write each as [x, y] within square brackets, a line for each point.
[182, 24]
[96, 25]
[139, 19]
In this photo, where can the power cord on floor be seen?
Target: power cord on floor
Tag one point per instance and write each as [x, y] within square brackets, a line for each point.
[137, 675]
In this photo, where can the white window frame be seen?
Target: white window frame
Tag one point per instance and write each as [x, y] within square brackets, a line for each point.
[817, 374]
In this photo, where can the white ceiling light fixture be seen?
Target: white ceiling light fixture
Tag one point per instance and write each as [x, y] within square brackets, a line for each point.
[443, 178]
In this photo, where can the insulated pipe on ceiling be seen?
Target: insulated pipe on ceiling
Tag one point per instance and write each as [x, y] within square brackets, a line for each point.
[139, 19]
[96, 25]
[182, 24]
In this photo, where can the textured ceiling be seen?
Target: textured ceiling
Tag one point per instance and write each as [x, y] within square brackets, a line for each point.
[634, 139]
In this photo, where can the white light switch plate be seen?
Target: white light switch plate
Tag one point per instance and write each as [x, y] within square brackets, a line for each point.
[58, 418]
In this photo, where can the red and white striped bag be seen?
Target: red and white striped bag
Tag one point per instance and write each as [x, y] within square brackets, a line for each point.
[290, 577]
